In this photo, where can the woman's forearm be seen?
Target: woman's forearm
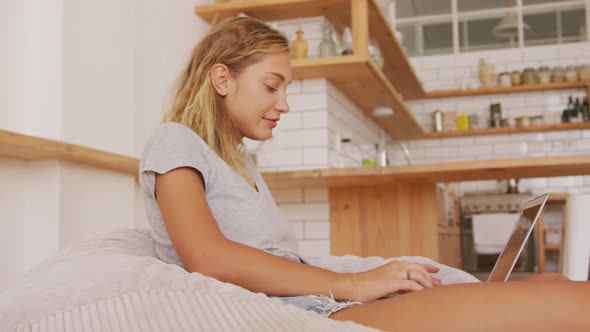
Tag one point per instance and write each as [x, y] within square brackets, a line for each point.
[259, 271]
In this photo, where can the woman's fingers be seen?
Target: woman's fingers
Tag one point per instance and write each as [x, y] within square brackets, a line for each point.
[420, 276]
[436, 282]
[431, 268]
[409, 285]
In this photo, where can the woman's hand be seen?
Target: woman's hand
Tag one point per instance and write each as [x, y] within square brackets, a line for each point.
[392, 278]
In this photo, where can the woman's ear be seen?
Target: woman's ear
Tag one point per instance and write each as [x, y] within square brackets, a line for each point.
[220, 78]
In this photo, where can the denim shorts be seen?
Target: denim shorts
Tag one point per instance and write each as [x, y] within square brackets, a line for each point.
[323, 305]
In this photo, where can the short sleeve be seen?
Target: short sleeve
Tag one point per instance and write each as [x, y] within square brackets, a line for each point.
[171, 146]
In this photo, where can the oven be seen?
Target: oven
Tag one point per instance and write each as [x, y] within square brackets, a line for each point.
[473, 205]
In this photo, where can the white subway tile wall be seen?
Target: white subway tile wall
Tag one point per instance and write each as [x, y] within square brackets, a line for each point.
[310, 135]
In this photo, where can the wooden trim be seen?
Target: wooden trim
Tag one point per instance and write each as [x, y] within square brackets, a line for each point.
[528, 167]
[360, 27]
[508, 90]
[508, 130]
[25, 147]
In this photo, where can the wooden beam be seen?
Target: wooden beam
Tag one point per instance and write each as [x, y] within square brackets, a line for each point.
[360, 27]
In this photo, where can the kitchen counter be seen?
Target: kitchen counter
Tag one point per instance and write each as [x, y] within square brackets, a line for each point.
[398, 211]
[529, 167]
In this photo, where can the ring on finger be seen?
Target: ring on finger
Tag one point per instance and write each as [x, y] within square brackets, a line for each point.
[408, 276]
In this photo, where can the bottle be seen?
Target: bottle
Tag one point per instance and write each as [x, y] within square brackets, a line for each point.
[496, 115]
[299, 46]
[327, 46]
[567, 115]
[585, 110]
[579, 112]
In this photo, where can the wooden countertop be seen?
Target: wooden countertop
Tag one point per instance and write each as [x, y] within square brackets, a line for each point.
[529, 167]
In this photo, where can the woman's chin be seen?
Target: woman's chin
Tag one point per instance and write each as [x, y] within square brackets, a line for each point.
[260, 136]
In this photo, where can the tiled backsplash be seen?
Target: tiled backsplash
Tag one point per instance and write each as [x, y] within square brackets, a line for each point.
[309, 136]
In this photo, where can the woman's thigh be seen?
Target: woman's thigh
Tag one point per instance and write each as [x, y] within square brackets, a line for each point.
[514, 306]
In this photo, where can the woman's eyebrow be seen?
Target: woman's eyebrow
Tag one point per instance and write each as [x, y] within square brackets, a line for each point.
[281, 77]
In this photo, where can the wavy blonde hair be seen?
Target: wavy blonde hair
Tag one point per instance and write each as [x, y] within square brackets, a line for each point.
[237, 43]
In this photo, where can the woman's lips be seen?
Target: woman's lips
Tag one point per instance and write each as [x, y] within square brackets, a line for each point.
[272, 123]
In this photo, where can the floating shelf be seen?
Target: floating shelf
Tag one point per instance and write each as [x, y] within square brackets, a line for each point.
[558, 197]
[357, 76]
[366, 86]
[25, 147]
[500, 90]
[508, 130]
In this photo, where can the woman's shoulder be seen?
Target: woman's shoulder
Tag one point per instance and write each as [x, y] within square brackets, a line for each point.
[175, 130]
[172, 140]
[174, 136]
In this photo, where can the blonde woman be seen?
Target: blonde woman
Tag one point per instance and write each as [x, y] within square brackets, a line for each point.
[212, 213]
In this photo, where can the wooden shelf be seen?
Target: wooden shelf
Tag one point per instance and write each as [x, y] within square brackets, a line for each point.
[528, 167]
[552, 246]
[25, 147]
[356, 76]
[508, 130]
[366, 86]
[500, 90]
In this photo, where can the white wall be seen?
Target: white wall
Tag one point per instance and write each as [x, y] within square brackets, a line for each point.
[446, 72]
[93, 73]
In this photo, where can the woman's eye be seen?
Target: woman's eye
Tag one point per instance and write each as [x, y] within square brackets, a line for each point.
[271, 89]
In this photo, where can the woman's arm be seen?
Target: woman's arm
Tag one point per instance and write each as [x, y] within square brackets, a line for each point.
[203, 248]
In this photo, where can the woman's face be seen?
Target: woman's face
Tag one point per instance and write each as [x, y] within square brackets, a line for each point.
[257, 97]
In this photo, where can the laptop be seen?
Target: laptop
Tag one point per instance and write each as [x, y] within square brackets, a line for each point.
[527, 220]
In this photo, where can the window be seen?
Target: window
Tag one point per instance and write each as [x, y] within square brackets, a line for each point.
[416, 8]
[478, 35]
[427, 38]
[473, 5]
[427, 25]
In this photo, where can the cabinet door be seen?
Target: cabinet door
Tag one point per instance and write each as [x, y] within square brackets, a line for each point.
[449, 242]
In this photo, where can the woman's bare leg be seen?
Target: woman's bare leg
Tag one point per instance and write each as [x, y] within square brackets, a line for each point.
[513, 306]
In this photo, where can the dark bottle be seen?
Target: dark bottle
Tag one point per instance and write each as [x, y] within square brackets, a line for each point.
[585, 110]
[565, 116]
[567, 112]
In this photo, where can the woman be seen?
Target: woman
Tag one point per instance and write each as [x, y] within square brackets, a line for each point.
[212, 213]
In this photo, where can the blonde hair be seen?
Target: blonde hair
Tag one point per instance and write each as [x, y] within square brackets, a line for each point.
[237, 43]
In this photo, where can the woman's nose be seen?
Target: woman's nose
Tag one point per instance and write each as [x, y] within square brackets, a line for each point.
[282, 105]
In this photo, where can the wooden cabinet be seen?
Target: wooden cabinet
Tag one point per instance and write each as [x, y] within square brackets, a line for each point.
[449, 246]
[555, 200]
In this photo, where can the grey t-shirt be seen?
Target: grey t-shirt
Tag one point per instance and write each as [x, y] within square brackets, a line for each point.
[243, 214]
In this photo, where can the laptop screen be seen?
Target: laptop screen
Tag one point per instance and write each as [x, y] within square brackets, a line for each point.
[517, 240]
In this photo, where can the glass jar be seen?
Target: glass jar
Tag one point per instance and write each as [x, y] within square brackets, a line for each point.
[544, 75]
[584, 73]
[529, 76]
[505, 80]
[327, 45]
[571, 74]
[516, 77]
[558, 75]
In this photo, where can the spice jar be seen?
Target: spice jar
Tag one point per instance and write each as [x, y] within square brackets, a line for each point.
[529, 76]
[571, 74]
[544, 75]
[558, 75]
[584, 73]
[504, 79]
[516, 77]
